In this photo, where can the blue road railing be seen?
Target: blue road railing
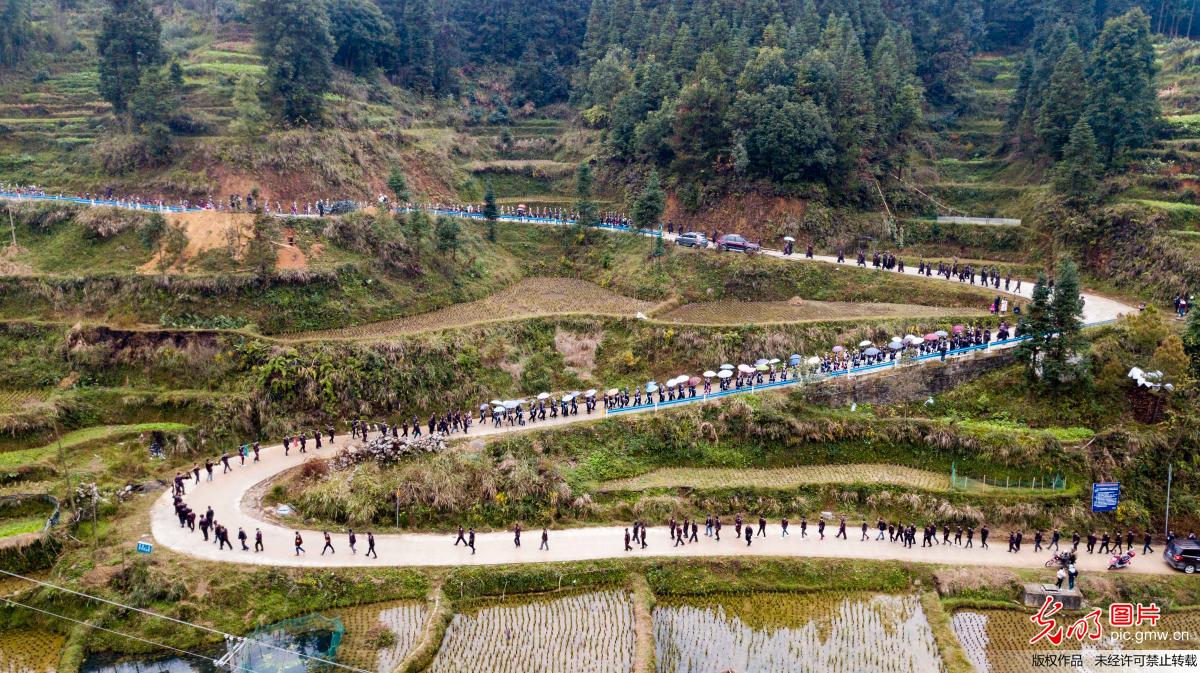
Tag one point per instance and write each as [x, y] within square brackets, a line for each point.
[826, 376]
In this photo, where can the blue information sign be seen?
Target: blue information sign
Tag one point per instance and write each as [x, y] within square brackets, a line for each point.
[1106, 497]
[144, 547]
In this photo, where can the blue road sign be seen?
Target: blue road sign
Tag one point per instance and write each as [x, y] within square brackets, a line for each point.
[1106, 496]
[144, 547]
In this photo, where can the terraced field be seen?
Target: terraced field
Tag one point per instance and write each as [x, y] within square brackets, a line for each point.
[817, 633]
[530, 298]
[741, 313]
[997, 641]
[378, 636]
[589, 633]
[789, 477]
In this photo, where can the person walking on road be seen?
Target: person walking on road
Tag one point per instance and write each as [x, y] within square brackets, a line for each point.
[328, 545]
[258, 545]
[545, 540]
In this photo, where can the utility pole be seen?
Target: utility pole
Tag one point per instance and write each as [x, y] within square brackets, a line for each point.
[12, 225]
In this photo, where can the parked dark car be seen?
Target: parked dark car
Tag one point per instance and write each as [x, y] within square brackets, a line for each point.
[1183, 555]
[736, 243]
[692, 239]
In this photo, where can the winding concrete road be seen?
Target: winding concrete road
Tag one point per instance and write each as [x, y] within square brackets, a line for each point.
[232, 497]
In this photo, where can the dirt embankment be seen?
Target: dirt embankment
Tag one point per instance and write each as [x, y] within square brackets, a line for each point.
[755, 216]
[213, 230]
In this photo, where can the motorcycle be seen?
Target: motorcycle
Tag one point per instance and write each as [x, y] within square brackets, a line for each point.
[1121, 561]
[1061, 559]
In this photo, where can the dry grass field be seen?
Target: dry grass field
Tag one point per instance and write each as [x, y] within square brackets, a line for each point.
[788, 477]
[530, 298]
[741, 312]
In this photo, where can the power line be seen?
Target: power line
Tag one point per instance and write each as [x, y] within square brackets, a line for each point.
[10, 601]
[181, 622]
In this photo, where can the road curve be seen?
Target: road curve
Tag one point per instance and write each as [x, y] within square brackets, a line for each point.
[229, 496]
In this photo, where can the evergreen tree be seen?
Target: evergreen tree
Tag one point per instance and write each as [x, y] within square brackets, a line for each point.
[153, 104]
[1076, 175]
[586, 207]
[363, 36]
[1063, 361]
[296, 45]
[1124, 109]
[447, 233]
[1037, 324]
[1061, 107]
[490, 212]
[16, 31]
[398, 184]
[128, 44]
[421, 59]
[1191, 341]
[250, 120]
[648, 206]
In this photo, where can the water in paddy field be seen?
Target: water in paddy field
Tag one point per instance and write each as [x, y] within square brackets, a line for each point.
[814, 633]
[316, 637]
[28, 651]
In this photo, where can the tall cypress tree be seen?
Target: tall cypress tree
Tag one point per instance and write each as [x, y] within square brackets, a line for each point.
[1063, 362]
[129, 43]
[422, 62]
[490, 212]
[295, 42]
[1076, 174]
[15, 31]
[648, 206]
[1036, 323]
[1061, 104]
[1124, 104]
[586, 208]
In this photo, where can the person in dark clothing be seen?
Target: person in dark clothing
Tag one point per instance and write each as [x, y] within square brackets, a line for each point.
[328, 545]
[517, 536]
[783, 525]
[352, 541]
[841, 529]
[545, 540]
[627, 546]
[695, 531]
[762, 526]
[983, 536]
[864, 532]
[821, 528]
[471, 540]
[644, 534]
[1037, 541]
[1091, 543]
[970, 538]
[299, 541]
[749, 535]
[258, 545]
[371, 545]
[1146, 543]
[461, 537]
[717, 528]
[803, 527]
[1054, 538]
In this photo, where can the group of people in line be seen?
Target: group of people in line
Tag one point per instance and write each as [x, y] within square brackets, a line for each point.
[680, 532]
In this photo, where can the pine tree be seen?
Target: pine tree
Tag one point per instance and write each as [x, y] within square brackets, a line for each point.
[16, 31]
[398, 184]
[294, 40]
[648, 206]
[490, 212]
[1061, 105]
[363, 35]
[250, 120]
[447, 233]
[1124, 103]
[1076, 175]
[587, 215]
[1063, 362]
[1191, 341]
[1037, 324]
[130, 42]
[421, 59]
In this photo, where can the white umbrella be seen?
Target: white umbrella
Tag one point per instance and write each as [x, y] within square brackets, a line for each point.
[789, 239]
[651, 387]
[568, 397]
[590, 393]
[745, 369]
[725, 373]
[864, 344]
[709, 374]
[498, 410]
[543, 396]
[726, 367]
[773, 361]
[482, 407]
[814, 360]
[497, 402]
